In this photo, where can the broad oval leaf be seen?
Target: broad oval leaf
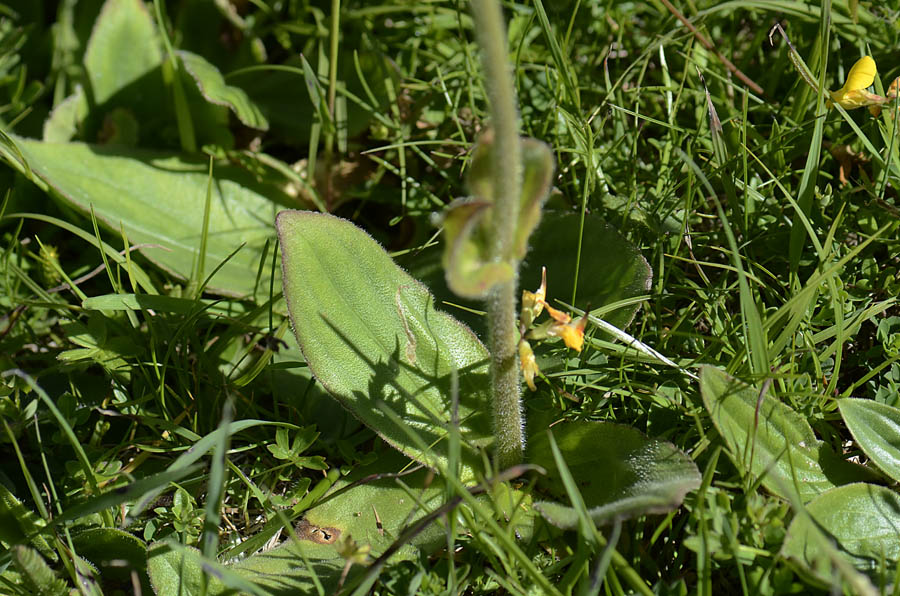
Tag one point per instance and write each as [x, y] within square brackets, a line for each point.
[124, 81]
[158, 199]
[876, 427]
[377, 510]
[373, 506]
[116, 553]
[123, 49]
[862, 520]
[611, 268]
[181, 570]
[777, 443]
[372, 337]
[288, 569]
[619, 472]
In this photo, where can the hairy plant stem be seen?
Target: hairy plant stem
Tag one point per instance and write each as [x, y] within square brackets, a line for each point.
[507, 408]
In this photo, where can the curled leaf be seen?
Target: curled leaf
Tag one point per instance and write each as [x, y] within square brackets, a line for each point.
[537, 176]
[467, 265]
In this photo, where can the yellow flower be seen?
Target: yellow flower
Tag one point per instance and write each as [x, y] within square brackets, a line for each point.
[561, 325]
[853, 94]
[571, 333]
[533, 302]
[528, 363]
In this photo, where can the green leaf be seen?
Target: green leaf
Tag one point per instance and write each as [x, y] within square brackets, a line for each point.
[378, 510]
[781, 448]
[373, 514]
[180, 572]
[138, 302]
[17, 523]
[189, 457]
[128, 492]
[37, 577]
[116, 553]
[372, 337]
[123, 50]
[612, 269]
[876, 427]
[480, 175]
[373, 506]
[470, 269]
[158, 198]
[289, 569]
[537, 177]
[861, 520]
[213, 87]
[467, 262]
[66, 119]
[639, 475]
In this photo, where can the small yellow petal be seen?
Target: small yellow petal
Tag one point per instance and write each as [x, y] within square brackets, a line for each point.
[857, 98]
[861, 75]
[571, 334]
[557, 315]
[528, 363]
[533, 302]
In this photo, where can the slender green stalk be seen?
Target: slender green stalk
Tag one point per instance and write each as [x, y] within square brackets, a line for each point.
[507, 409]
[334, 35]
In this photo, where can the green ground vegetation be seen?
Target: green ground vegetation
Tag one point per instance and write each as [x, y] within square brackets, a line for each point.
[732, 235]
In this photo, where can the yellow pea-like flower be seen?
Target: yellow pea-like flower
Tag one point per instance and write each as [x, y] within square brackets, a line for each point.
[571, 333]
[853, 94]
